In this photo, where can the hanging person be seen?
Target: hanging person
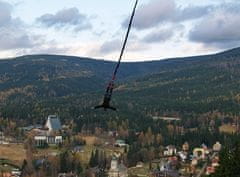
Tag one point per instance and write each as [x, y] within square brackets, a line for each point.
[108, 94]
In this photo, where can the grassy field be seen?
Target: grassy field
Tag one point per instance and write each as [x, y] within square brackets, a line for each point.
[139, 171]
[227, 129]
[16, 153]
[51, 151]
[90, 140]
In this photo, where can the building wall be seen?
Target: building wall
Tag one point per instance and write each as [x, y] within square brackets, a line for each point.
[41, 141]
[48, 125]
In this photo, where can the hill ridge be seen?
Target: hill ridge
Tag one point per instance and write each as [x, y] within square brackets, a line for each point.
[42, 84]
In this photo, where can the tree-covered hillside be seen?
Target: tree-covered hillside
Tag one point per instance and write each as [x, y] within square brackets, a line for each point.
[200, 85]
[35, 86]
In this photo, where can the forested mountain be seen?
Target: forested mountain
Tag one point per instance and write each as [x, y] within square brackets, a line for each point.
[195, 84]
[34, 86]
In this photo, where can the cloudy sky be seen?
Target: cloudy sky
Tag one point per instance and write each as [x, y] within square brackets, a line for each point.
[96, 28]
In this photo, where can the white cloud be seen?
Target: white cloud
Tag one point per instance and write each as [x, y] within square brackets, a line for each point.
[162, 11]
[115, 46]
[5, 13]
[220, 28]
[211, 27]
[66, 17]
[158, 35]
[45, 49]
[155, 12]
[17, 40]
[12, 30]
[110, 46]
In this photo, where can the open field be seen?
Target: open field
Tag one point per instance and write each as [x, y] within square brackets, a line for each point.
[14, 152]
[90, 140]
[228, 129]
[140, 171]
[51, 151]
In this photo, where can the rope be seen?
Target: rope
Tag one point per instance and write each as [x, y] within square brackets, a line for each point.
[110, 86]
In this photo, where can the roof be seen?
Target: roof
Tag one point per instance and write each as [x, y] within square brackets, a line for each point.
[120, 141]
[78, 148]
[29, 128]
[54, 122]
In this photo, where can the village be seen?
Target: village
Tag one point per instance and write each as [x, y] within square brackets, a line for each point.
[51, 139]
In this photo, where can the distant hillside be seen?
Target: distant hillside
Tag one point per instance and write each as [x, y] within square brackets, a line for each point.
[194, 84]
[34, 86]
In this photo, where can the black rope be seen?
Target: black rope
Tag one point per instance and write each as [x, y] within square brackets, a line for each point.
[125, 41]
[109, 89]
[111, 83]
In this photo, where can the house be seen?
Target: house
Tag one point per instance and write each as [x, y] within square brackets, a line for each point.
[49, 134]
[210, 170]
[53, 123]
[183, 156]
[9, 170]
[140, 165]
[16, 172]
[43, 140]
[113, 133]
[185, 146]
[164, 165]
[120, 143]
[170, 151]
[2, 138]
[199, 153]
[215, 163]
[205, 148]
[217, 147]
[6, 174]
[5, 140]
[194, 161]
[78, 149]
[31, 127]
[117, 170]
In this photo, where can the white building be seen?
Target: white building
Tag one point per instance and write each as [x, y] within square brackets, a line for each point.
[120, 143]
[170, 151]
[199, 153]
[42, 140]
[51, 136]
[2, 138]
[117, 170]
[217, 147]
[185, 146]
[182, 155]
[53, 123]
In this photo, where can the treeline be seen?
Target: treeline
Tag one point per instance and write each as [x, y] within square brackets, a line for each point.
[66, 162]
[34, 86]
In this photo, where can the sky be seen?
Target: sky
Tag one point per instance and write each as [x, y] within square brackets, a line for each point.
[96, 28]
